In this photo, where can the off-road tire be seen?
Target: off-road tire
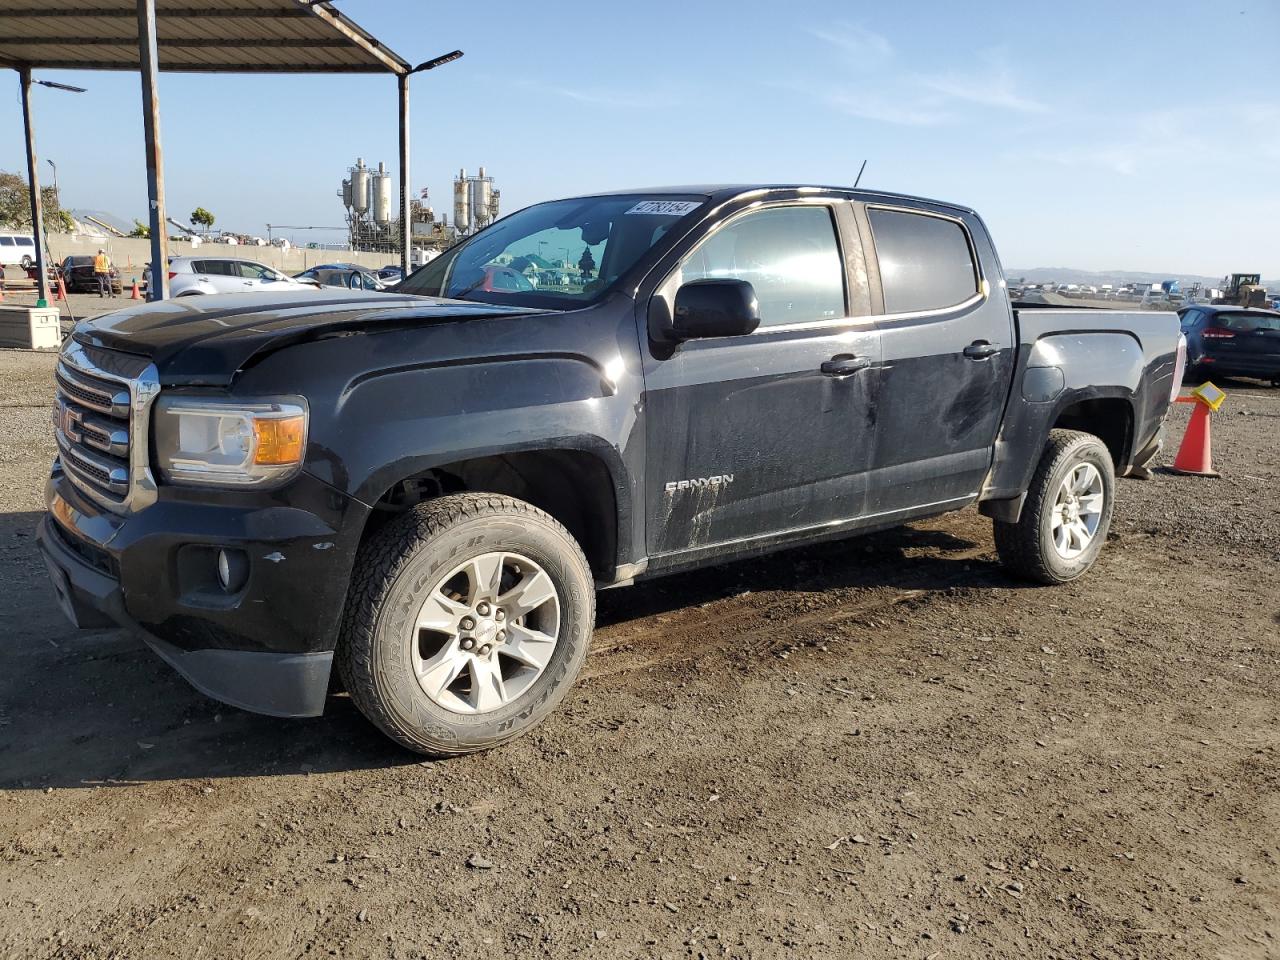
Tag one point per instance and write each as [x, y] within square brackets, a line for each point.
[1026, 548]
[401, 562]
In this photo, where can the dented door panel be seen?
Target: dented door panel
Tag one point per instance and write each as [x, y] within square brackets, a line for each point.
[749, 438]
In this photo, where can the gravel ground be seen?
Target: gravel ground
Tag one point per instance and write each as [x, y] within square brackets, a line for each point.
[876, 748]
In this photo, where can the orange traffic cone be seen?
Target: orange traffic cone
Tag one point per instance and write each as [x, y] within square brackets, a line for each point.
[62, 291]
[1194, 456]
[135, 295]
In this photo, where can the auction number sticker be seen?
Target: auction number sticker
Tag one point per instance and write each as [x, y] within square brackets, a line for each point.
[665, 208]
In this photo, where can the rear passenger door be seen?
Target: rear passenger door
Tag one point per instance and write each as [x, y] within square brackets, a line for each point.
[749, 438]
[947, 348]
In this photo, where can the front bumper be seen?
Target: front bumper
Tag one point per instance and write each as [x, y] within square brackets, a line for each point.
[268, 647]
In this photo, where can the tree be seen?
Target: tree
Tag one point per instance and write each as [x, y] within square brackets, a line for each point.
[202, 217]
[15, 206]
[140, 229]
[586, 263]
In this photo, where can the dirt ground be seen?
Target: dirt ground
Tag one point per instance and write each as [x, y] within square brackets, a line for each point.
[877, 748]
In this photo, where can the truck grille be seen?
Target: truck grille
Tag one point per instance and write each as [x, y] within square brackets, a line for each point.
[101, 409]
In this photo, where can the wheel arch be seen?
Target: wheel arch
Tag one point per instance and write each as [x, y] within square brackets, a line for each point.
[573, 485]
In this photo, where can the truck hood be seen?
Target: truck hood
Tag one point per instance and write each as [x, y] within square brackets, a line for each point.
[206, 340]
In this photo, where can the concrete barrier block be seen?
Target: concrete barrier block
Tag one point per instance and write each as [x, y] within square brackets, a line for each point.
[32, 328]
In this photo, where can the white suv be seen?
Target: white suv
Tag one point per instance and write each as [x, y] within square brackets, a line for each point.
[191, 276]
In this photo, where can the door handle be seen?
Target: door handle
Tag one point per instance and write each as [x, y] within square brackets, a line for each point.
[980, 350]
[844, 365]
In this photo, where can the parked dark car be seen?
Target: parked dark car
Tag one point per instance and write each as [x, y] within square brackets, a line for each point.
[1231, 341]
[426, 487]
[347, 275]
[390, 275]
[78, 276]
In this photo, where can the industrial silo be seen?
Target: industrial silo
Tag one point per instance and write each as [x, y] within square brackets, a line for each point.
[381, 186]
[359, 186]
[461, 203]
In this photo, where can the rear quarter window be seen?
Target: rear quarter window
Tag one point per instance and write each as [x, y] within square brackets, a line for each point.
[1248, 322]
[926, 262]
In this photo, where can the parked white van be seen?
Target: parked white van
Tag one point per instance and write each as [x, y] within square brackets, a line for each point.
[17, 249]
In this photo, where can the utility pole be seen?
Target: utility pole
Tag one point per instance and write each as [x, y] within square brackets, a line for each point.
[158, 284]
[33, 176]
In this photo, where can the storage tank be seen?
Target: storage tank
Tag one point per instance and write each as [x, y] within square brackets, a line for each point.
[346, 193]
[381, 184]
[461, 202]
[480, 195]
[359, 186]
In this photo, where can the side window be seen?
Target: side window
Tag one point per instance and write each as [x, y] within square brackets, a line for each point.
[7, 242]
[247, 270]
[926, 263]
[1189, 319]
[788, 254]
[24, 241]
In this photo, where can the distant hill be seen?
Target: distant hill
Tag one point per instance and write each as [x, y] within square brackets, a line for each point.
[1114, 277]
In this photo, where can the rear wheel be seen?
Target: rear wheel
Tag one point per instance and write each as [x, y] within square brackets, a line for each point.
[468, 619]
[1065, 519]
[26, 262]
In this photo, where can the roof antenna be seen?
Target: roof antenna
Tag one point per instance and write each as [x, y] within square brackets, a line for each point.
[860, 169]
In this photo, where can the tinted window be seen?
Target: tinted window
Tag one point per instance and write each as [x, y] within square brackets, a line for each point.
[925, 262]
[1247, 322]
[6, 242]
[1189, 319]
[788, 254]
[24, 241]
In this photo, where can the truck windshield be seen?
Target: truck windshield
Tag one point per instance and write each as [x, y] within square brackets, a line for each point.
[558, 255]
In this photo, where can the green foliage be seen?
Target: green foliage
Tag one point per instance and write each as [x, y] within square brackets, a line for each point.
[140, 229]
[202, 217]
[15, 206]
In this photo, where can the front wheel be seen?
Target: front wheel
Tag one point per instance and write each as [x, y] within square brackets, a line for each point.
[1065, 519]
[468, 619]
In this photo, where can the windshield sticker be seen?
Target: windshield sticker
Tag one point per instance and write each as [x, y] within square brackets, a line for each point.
[665, 208]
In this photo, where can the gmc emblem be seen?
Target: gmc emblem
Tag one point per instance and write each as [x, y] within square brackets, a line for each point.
[69, 421]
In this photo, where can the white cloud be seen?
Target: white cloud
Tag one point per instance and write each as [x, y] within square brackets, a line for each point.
[910, 98]
[994, 86]
[866, 47]
[871, 106]
[600, 96]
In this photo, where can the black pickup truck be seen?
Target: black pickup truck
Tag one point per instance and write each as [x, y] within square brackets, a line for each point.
[427, 487]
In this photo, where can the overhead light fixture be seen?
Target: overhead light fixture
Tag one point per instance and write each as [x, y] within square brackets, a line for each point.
[438, 62]
[60, 86]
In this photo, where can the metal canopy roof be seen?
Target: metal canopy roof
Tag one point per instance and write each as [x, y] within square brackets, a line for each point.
[205, 36]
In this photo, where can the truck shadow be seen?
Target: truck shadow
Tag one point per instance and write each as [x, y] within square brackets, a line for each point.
[84, 709]
[907, 558]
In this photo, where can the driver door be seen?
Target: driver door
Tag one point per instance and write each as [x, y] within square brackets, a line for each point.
[752, 439]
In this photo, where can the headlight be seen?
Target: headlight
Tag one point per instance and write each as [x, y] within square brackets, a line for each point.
[229, 443]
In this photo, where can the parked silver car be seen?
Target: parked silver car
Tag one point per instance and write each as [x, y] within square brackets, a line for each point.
[191, 276]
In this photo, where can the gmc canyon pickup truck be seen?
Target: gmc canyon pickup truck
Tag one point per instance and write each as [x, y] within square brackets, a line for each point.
[425, 488]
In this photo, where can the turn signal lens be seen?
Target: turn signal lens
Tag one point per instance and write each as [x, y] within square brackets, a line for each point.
[279, 440]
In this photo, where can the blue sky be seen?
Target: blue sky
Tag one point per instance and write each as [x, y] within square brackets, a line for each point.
[1122, 135]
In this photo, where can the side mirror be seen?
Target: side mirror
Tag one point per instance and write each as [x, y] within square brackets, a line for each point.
[715, 308]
